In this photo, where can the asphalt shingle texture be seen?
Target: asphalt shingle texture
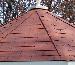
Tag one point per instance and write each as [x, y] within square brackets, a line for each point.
[37, 36]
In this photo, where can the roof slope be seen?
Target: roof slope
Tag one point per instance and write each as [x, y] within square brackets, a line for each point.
[37, 36]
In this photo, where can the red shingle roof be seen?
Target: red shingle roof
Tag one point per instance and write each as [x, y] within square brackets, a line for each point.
[37, 36]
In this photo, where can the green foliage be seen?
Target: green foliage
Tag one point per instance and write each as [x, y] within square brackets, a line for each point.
[67, 7]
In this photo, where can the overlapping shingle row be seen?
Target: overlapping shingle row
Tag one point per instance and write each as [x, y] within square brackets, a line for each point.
[37, 36]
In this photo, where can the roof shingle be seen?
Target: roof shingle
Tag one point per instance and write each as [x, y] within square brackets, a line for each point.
[37, 36]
